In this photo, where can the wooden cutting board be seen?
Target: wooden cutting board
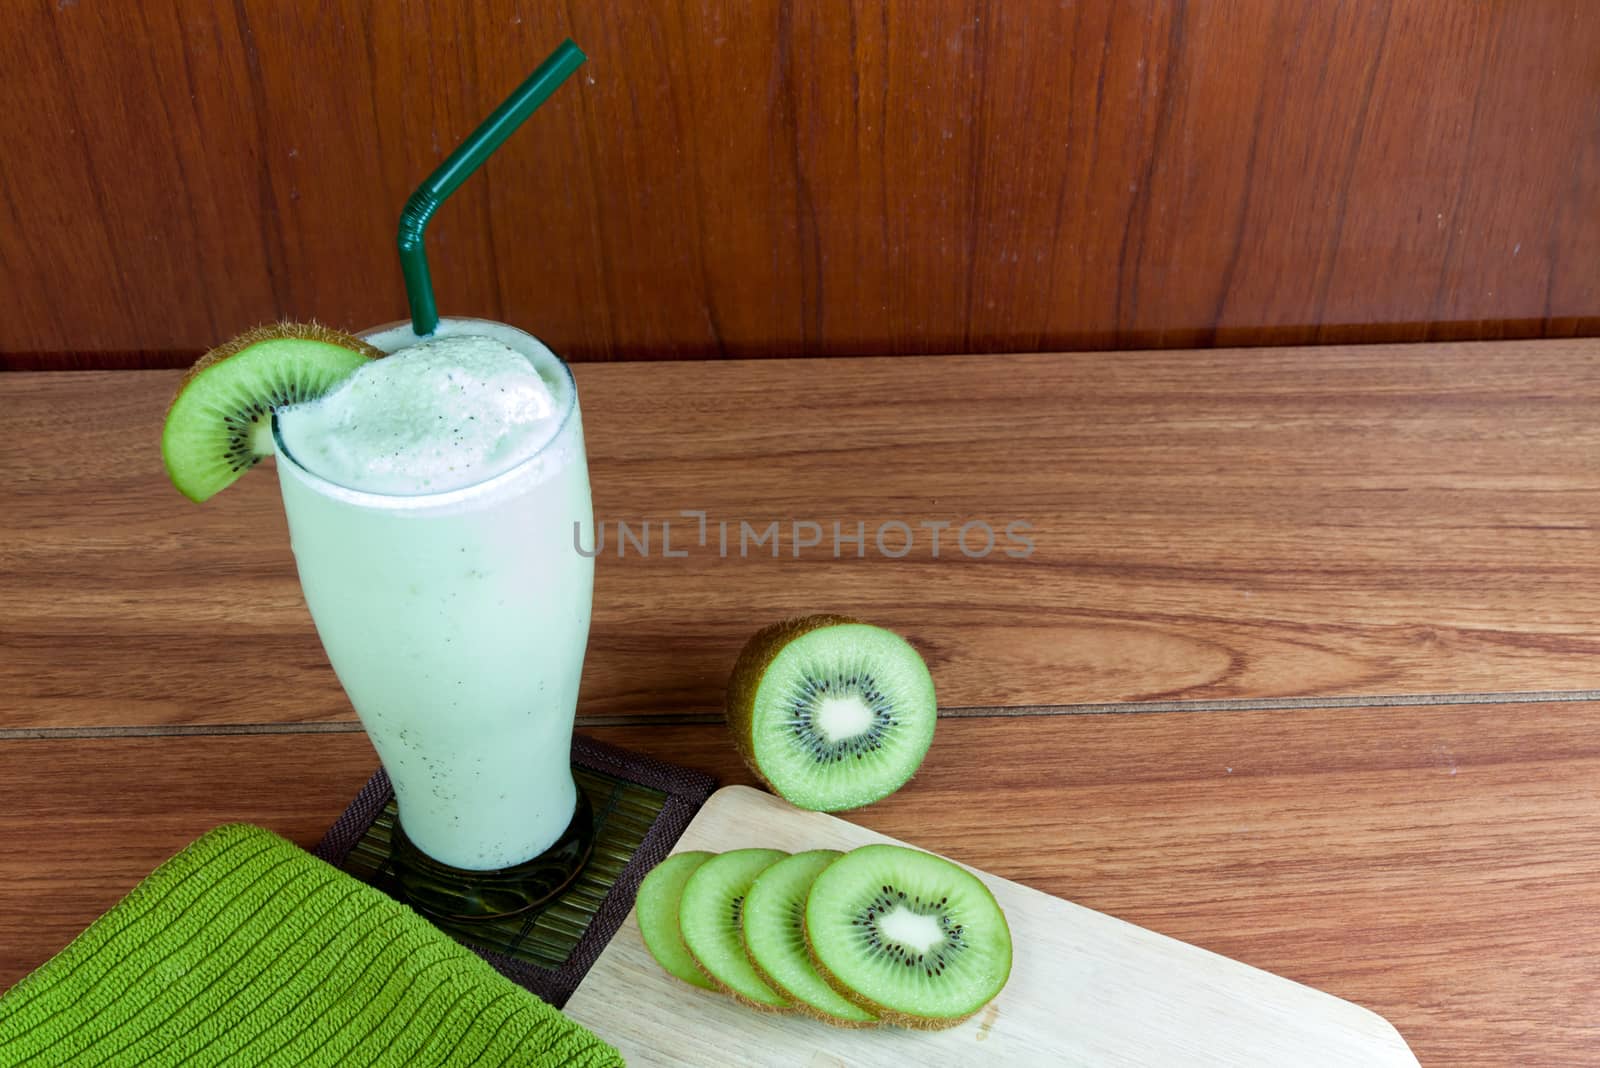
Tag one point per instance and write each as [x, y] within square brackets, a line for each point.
[1085, 989]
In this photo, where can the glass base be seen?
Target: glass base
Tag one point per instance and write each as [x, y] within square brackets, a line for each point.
[467, 896]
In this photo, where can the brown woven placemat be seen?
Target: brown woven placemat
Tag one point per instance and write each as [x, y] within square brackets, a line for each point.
[641, 806]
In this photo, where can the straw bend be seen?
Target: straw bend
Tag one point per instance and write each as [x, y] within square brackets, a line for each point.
[414, 217]
[459, 166]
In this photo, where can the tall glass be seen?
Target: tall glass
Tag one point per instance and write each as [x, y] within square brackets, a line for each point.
[457, 623]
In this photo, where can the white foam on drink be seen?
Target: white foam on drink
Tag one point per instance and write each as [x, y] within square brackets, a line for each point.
[439, 415]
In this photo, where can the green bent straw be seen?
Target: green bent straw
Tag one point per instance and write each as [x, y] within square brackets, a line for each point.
[460, 165]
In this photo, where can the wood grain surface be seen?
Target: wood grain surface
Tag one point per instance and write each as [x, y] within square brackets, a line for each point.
[1270, 571]
[1437, 865]
[1318, 523]
[769, 178]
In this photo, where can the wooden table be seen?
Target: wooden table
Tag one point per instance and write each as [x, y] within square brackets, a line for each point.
[1304, 666]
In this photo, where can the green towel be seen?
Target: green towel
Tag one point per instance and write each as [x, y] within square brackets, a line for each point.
[243, 949]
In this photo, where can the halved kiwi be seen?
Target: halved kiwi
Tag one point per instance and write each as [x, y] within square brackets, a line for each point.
[908, 936]
[656, 908]
[831, 713]
[709, 916]
[774, 938]
[220, 423]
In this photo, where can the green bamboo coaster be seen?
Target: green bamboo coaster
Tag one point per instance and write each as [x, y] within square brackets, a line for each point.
[641, 807]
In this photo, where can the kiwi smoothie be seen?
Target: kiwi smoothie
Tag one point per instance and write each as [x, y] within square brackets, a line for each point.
[431, 500]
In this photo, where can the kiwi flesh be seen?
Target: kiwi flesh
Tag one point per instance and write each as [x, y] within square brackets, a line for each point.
[909, 936]
[220, 422]
[829, 712]
[774, 938]
[656, 908]
[710, 915]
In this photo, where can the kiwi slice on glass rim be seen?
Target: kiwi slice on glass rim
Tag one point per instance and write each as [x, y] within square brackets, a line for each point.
[657, 910]
[775, 939]
[907, 935]
[831, 713]
[220, 423]
[710, 916]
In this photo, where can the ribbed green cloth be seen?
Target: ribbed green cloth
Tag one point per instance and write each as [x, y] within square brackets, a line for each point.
[245, 950]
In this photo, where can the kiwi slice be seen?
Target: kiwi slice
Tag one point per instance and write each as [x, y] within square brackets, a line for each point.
[774, 938]
[909, 936]
[829, 712]
[220, 423]
[710, 918]
[656, 908]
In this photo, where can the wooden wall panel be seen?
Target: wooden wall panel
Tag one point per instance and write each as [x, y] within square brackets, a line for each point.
[753, 177]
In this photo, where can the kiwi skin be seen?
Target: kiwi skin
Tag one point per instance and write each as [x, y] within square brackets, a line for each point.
[796, 1005]
[885, 1016]
[749, 1003]
[762, 648]
[275, 332]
